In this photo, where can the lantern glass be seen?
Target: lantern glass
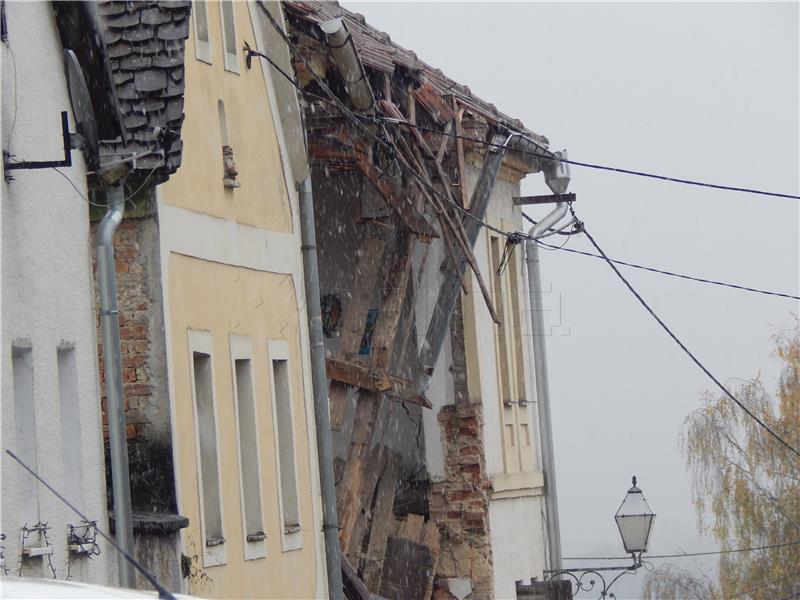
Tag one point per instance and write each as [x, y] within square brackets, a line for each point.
[635, 520]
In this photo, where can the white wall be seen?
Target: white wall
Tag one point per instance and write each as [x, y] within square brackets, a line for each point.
[516, 523]
[518, 542]
[47, 302]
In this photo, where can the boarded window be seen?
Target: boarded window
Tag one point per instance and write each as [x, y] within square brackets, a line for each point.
[207, 439]
[25, 427]
[229, 36]
[71, 443]
[284, 436]
[202, 42]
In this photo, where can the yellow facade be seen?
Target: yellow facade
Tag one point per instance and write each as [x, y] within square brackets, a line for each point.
[261, 201]
[218, 294]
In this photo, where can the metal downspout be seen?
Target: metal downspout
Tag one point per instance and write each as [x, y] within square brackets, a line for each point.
[542, 385]
[109, 318]
[330, 522]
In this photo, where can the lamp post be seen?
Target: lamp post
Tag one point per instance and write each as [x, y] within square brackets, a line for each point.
[635, 522]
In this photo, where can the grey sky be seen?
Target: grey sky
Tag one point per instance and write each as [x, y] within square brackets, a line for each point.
[702, 91]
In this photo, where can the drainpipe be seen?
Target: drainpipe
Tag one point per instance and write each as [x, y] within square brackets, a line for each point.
[109, 318]
[344, 54]
[557, 178]
[330, 522]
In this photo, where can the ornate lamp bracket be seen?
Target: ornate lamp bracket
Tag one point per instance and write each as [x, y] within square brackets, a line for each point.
[585, 579]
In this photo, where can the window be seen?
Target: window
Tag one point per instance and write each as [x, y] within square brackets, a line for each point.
[284, 435]
[249, 465]
[515, 410]
[229, 36]
[202, 43]
[71, 443]
[200, 344]
[25, 427]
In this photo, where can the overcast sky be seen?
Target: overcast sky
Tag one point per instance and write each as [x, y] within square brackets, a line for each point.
[701, 91]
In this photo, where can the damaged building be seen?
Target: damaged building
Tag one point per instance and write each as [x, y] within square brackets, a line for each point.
[439, 481]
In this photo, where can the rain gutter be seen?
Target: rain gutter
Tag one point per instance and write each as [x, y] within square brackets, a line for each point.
[344, 53]
[112, 362]
[319, 379]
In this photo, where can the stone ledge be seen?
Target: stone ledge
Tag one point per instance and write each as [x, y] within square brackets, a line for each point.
[517, 485]
[153, 523]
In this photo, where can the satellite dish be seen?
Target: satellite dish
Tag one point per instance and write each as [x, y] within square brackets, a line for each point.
[85, 122]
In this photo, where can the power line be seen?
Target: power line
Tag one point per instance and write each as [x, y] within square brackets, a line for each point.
[688, 352]
[355, 119]
[599, 167]
[688, 554]
[664, 272]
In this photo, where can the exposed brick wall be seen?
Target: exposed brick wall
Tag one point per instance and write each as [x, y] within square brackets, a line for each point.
[135, 305]
[459, 504]
[142, 346]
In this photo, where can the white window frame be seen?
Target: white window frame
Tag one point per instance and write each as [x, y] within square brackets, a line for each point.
[231, 60]
[242, 349]
[279, 350]
[202, 49]
[202, 342]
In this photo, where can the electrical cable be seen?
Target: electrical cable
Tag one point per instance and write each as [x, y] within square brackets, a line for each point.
[356, 120]
[688, 554]
[543, 244]
[75, 187]
[293, 48]
[664, 272]
[587, 165]
[686, 350]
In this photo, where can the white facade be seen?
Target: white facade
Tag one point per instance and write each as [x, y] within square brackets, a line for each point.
[516, 501]
[516, 507]
[50, 390]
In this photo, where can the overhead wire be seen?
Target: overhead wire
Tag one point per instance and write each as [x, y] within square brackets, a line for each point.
[595, 166]
[690, 554]
[665, 272]
[579, 225]
[686, 350]
[357, 120]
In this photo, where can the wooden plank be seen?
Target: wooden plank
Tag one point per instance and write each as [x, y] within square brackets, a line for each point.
[348, 491]
[392, 307]
[362, 296]
[354, 588]
[431, 537]
[411, 529]
[433, 103]
[373, 380]
[405, 209]
[337, 403]
[456, 225]
[357, 374]
[375, 463]
[445, 141]
[381, 523]
[546, 199]
[462, 168]
[412, 105]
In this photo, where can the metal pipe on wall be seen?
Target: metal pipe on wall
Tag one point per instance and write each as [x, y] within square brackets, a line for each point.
[330, 523]
[109, 319]
[344, 53]
[543, 391]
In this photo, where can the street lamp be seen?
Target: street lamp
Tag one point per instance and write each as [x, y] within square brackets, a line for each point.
[635, 522]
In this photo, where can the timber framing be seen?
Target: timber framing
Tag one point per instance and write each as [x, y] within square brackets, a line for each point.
[390, 185]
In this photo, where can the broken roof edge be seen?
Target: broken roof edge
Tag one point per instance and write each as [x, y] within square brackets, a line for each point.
[379, 52]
